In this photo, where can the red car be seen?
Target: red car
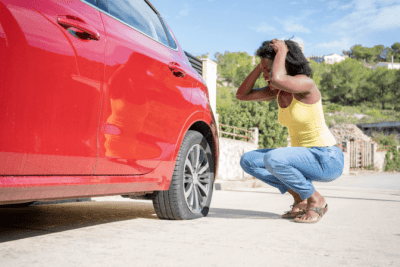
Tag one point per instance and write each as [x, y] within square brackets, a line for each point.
[97, 98]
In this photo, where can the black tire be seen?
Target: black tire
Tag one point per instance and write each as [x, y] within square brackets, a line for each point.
[192, 180]
[17, 205]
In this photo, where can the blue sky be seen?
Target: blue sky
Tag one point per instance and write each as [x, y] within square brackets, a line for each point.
[323, 26]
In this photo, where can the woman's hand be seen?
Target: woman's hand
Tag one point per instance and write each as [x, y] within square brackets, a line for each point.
[279, 46]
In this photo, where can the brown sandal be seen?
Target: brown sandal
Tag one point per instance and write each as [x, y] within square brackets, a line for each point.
[320, 211]
[291, 215]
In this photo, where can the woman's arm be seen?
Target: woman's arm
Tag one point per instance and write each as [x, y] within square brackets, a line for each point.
[281, 80]
[247, 93]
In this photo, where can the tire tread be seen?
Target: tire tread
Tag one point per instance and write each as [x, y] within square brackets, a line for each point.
[168, 204]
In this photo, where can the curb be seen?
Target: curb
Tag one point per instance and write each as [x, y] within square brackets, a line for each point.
[233, 185]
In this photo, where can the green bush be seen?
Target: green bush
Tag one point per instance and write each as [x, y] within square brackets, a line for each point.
[374, 113]
[352, 109]
[333, 108]
[386, 140]
[263, 115]
[392, 156]
[392, 159]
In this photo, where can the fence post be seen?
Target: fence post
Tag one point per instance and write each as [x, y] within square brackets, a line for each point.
[373, 155]
[254, 133]
[347, 159]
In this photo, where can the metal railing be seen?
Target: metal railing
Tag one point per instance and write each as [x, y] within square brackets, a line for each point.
[234, 133]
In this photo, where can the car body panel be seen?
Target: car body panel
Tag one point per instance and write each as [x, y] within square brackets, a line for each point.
[144, 102]
[51, 97]
[65, 98]
[27, 188]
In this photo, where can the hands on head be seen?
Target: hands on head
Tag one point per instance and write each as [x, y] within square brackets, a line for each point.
[279, 46]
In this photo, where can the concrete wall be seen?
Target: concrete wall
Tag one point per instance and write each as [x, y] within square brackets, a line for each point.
[232, 150]
[346, 153]
[229, 160]
[379, 159]
[210, 77]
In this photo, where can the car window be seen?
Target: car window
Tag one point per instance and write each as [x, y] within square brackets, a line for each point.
[102, 4]
[171, 39]
[138, 14]
[93, 2]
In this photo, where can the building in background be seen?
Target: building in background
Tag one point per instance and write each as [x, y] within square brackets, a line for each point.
[388, 65]
[334, 58]
[318, 59]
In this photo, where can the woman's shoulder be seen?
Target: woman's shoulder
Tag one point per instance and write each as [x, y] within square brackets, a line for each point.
[312, 96]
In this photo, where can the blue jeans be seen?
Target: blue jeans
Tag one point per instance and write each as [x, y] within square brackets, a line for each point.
[294, 167]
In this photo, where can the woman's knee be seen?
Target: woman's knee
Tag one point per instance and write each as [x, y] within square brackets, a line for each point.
[245, 160]
[274, 158]
[253, 158]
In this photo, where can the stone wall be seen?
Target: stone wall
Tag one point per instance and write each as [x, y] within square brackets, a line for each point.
[346, 132]
[229, 159]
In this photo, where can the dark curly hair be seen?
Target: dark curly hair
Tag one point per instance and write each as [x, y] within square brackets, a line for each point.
[296, 62]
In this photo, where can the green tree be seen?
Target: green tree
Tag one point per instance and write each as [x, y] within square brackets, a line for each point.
[228, 64]
[396, 51]
[360, 52]
[224, 99]
[263, 115]
[233, 68]
[377, 50]
[342, 83]
[347, 53]
[241, 73]
[380, 85]
[203, 56]
[396, 89]
[319, 72]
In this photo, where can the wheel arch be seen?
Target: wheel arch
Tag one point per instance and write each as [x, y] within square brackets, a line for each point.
[205, 130]
[201, 122]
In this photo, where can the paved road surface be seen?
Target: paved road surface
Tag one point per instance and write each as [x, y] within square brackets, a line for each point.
[244, 228]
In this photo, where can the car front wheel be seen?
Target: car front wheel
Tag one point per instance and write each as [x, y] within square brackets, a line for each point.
[191, 188]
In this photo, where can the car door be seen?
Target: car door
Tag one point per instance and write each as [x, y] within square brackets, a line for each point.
[52, 67]
[147, 92]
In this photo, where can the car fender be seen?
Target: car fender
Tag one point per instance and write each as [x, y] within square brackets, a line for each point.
[165, 169]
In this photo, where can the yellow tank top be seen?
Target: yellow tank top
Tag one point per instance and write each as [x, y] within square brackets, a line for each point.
[306, 124]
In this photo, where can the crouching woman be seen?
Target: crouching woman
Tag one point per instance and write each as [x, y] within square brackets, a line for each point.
[313, 155]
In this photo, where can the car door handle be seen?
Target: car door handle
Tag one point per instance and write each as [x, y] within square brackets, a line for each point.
[176, 69]
[72, 22]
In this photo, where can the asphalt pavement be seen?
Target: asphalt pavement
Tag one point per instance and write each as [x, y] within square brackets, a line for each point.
[244, 228]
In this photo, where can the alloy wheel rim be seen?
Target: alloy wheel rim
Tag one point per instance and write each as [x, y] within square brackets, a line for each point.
[196, 182]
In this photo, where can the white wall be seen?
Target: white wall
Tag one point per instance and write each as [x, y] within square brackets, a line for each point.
[210, 77]
[388, 65]
[230, 153]
[334, 58]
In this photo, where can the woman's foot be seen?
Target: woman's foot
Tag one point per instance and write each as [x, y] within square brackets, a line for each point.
[297, 210]
[316, 208]
[298, 206]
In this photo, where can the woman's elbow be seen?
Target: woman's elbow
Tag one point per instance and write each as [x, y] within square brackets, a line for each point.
[276, 81]
[239, 96]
